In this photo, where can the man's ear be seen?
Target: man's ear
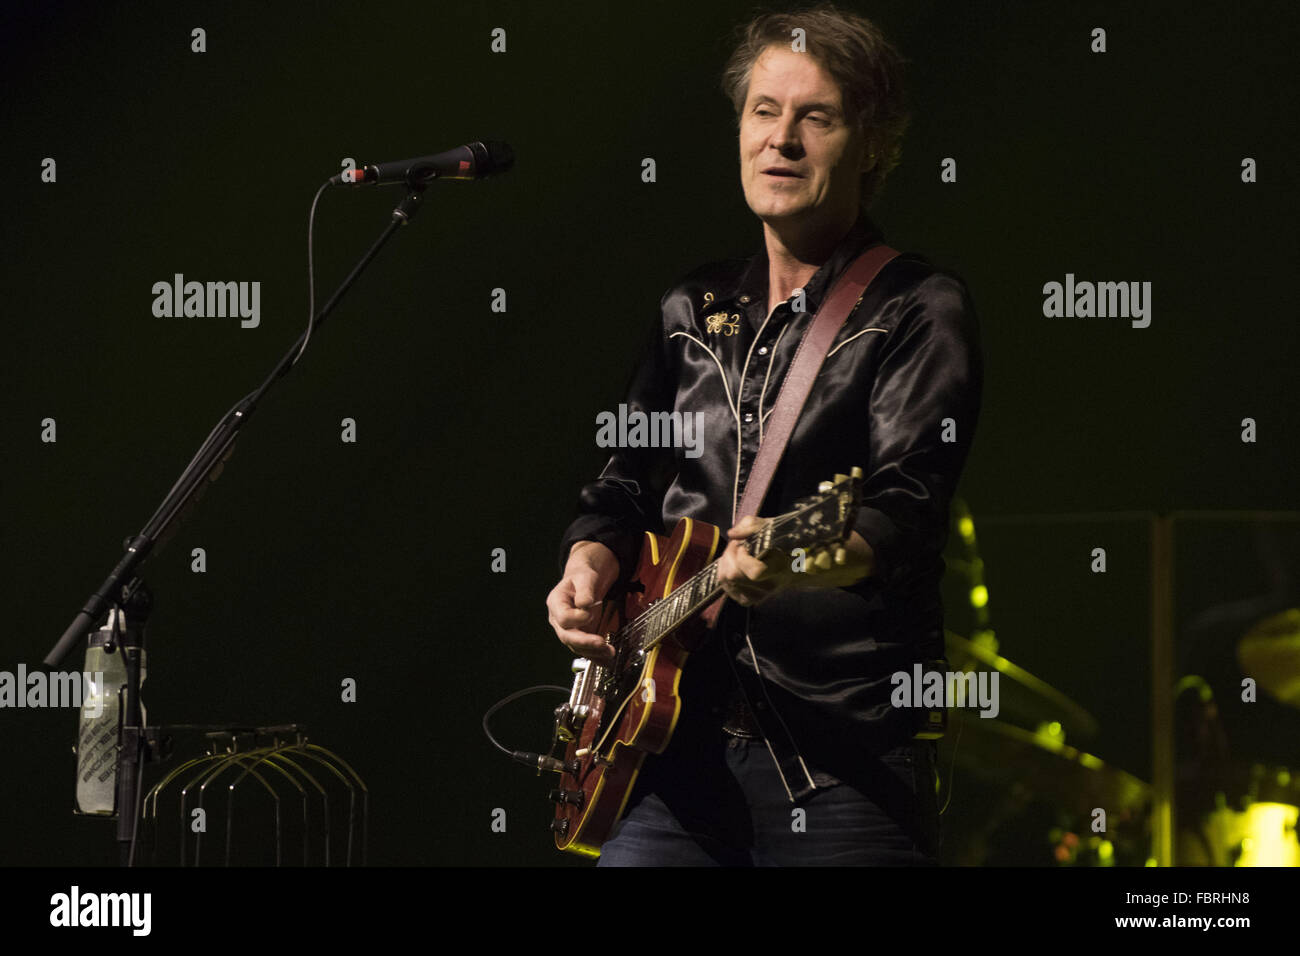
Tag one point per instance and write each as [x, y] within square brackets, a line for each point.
[868, 157]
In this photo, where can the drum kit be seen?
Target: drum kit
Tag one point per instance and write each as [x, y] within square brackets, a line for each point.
[1024, 784]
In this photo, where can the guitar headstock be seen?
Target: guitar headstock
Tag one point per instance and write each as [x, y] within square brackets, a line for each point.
[820, 523]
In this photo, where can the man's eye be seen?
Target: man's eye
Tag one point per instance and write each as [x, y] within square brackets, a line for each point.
[763, 111]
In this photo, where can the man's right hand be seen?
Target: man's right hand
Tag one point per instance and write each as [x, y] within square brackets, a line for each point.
[574, 605]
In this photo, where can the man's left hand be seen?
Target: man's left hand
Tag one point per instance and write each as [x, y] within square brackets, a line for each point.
[747, 580]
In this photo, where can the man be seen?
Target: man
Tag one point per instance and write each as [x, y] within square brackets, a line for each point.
[820, 768]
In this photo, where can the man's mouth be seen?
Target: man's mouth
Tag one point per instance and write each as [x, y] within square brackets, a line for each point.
[782, 173]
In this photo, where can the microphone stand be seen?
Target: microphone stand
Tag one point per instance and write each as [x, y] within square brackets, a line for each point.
[122, 583]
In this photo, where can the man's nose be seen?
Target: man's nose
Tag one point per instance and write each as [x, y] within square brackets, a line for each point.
[784, 137]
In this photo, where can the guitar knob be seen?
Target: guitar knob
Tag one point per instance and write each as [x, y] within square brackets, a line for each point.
[825, 486]
[839, 478]
[824, 560]
[560, 826]
[855, 472]
[841, 556]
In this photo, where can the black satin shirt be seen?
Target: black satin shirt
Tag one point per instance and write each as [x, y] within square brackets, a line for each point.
[898, 395]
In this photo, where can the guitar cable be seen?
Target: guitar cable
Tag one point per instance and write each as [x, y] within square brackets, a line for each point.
[539, 762]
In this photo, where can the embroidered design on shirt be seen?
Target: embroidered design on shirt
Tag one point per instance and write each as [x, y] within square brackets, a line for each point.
[721, 322]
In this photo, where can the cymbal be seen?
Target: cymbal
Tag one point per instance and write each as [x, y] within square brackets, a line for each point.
[1024, 698]
[1270, 653]
[1044, 765]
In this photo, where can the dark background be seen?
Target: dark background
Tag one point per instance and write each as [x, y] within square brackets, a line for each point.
[371, 560]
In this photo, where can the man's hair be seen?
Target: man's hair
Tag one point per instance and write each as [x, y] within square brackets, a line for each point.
[867, 68]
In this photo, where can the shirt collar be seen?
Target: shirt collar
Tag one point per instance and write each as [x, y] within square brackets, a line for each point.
[753, 282]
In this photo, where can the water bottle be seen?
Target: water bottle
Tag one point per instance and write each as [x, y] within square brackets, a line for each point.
[104, 676]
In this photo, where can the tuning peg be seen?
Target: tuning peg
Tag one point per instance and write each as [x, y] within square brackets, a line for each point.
[855, 472]
[841, 556]
[839, 478]
[825, 486]
[823, 560]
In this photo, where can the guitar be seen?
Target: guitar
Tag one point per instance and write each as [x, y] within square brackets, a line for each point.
[621, 711]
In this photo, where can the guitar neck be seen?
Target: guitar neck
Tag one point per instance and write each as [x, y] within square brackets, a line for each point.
[689, 598]
[817, 521]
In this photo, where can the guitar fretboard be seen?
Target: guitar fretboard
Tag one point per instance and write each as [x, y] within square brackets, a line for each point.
[693, 594]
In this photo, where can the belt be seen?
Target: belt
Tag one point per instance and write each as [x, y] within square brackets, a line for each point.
[739, 720]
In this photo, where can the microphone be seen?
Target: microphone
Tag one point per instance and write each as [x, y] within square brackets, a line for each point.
[474, 161]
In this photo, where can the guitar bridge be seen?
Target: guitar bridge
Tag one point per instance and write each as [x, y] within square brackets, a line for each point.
[570, 717]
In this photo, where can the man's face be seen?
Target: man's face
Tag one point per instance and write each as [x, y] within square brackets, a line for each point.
[800, 156]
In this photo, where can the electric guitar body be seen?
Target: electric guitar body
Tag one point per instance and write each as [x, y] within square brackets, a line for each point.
[611, 745]
[622, 710]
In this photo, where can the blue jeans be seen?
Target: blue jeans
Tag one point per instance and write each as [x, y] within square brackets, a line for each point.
[719, 801]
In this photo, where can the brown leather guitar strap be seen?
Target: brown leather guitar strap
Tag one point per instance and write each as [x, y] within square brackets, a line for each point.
[844, 296]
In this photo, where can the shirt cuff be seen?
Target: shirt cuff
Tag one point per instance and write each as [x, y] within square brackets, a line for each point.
[626, 546]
